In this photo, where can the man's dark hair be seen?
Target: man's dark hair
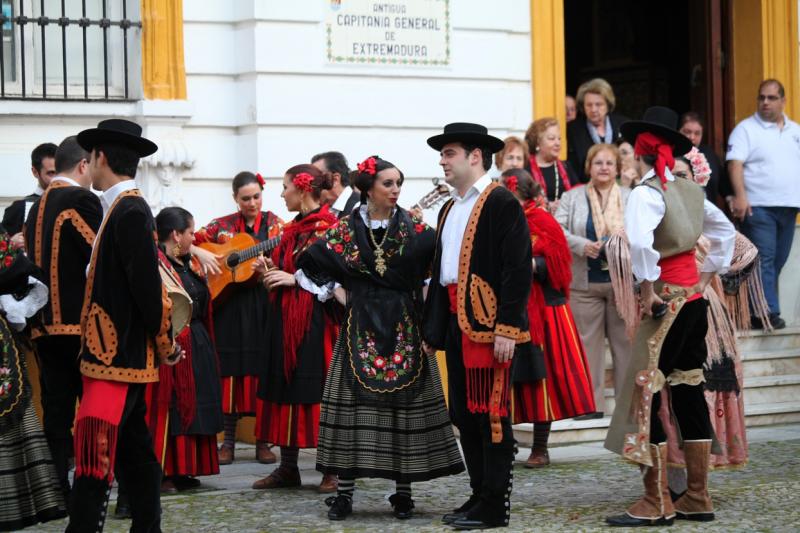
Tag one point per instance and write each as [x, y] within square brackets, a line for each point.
[649, 160]
[486, 154]
[40, 153]
[69, 154]
[772, 81]
[335, 163]
[121, 160]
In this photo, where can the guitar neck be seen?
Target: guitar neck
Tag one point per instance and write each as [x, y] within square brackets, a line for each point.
[258, 249]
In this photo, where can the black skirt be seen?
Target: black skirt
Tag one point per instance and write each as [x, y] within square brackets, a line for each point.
[240, 331]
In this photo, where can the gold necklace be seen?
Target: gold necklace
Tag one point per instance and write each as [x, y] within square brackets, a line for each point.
[380, 262]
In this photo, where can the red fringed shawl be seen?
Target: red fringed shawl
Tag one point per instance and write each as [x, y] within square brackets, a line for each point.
[537, 174]
[296, 303]
[548, 241]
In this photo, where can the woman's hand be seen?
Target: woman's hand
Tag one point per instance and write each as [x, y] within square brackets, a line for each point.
[341, 295]
[552, 207]
[262, 265]
[209, 260]
[628, 177]
[278, 278]
[592, 249]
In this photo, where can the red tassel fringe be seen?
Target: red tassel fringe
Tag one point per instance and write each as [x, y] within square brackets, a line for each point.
[185, 390]
[95, 448]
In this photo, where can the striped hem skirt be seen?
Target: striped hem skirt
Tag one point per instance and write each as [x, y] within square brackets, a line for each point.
[29, 489]
[239, 395]
[567, 391]
[406, 443]
[289, 425]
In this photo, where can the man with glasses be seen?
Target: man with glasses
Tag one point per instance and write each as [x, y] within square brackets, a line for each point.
[764, 167]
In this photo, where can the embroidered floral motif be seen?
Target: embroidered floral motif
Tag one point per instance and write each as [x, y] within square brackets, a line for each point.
[5, 381]
[388, 367]
[7, 253]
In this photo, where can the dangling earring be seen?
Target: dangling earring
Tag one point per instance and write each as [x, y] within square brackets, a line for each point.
[176, 250]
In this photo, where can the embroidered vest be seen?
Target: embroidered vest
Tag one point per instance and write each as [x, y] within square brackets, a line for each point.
[682, 224]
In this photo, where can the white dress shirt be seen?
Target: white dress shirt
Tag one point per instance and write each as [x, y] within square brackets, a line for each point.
[65, 179]
[29, 204]
[644, 212]
[341, 201]
[454, 227]
[109, 195]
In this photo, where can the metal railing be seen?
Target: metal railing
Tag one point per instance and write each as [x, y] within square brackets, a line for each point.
[20, 21]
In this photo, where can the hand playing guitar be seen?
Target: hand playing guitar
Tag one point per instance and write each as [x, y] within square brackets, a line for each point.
[209, 260]
[271, 277]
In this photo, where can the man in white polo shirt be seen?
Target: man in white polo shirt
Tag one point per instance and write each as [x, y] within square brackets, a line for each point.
[764, 167]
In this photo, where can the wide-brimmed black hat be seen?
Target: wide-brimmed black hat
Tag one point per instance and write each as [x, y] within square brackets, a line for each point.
[661, 121]
[468, 133]
[117, 131]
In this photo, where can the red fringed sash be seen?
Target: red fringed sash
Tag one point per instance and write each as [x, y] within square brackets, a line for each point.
[296, 303]
[548, 241]
[97, 427]
[486, 379]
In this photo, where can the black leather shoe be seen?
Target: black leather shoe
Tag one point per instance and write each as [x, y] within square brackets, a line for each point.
[466, 524]
[776, 321]
[402, 506]
[626, 520]
[340, 507]
[462, 511]
[123, 509]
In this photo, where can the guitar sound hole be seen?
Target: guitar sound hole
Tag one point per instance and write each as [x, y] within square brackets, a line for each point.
[233, 260]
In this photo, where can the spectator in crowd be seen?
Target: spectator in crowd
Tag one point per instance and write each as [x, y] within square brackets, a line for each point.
[341, 197]
[691, 125]
[43, 168]
[628, 175]
[513, 155]
[590, 216]
[763, 161]
[596, 123]
[572, 108]
[553, 175]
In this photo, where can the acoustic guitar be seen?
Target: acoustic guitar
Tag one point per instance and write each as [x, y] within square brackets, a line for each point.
[238, 256]
[440, 193]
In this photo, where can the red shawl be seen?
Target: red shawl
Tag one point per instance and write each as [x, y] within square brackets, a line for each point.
[536, 172]
[296, 303]
[548, 241]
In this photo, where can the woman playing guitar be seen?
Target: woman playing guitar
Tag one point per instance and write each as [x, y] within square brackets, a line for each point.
[239, 320]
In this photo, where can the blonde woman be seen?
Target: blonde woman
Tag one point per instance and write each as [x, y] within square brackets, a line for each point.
[590, 216]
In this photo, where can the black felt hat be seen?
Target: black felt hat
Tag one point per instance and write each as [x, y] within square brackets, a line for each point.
[117, 131]
[468, 133]
[661, 121]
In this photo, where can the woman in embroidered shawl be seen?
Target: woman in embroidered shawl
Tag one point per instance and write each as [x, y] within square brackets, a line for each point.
[240, 314]
[566, 391]
[383, 411]
[185, 405]
[29, 488]
[301, 333]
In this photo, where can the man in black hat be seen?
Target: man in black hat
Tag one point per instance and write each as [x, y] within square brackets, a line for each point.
[476, 312]
[125, 328]
[664, 218]
[59, 233]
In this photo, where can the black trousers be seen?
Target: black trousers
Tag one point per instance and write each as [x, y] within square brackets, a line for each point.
[60, 379]
[684, 349]
[488, 464]
[136, 463]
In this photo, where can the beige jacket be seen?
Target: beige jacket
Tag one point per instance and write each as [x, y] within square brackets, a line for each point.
[572, 213]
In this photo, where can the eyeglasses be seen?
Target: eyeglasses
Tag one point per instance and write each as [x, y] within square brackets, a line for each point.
[770, 97]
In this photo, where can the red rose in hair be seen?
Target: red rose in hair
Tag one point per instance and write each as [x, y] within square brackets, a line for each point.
[260, 180]
[511, 183]
[367, 166]
[303, 181]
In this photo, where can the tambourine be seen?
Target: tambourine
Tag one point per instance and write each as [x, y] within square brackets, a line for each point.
[181, 301]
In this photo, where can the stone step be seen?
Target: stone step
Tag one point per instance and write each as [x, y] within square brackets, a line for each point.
[771, 389]
[759, 341]
[574, 431]
[774, 362]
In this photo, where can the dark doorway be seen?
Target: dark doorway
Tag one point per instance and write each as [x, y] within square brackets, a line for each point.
[652, 53]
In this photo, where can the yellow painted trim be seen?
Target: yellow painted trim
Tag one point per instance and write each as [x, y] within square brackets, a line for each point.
[163, 69]
[548, 70]
[441, 362]
[780, 49]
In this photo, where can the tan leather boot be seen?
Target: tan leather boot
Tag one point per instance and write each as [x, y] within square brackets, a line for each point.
[655, 507]
[695, 504]
[264, 454]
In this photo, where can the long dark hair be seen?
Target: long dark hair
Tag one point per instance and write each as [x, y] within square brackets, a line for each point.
[322, 181]
[172, 219]
[244, 178]
[364, 180]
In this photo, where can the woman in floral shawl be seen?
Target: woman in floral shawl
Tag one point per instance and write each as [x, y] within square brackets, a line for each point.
[383, 411]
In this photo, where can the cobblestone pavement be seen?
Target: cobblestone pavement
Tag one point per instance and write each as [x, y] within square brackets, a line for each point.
[582, 486]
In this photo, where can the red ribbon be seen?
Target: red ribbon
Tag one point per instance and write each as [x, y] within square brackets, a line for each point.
[651, 144]
[260, 180]
[303, 181]
[367, 166]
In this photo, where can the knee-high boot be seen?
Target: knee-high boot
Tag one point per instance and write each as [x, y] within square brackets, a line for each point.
[655, 507]
[696, 504]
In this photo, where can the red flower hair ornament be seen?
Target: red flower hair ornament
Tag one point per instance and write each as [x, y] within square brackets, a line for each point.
[367, 166]
[511, 183]
[303, 181]
[260, 180]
